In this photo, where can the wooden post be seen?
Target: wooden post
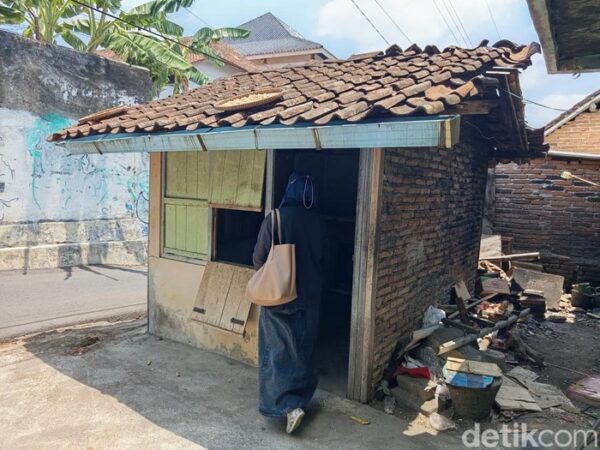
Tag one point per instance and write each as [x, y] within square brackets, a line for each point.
[360, 364]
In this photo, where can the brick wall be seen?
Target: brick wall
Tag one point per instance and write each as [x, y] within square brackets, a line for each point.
[560, 218]
[430, 226]
[581, 135]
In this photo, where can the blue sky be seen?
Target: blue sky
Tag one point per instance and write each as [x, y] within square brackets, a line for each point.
[340, 27]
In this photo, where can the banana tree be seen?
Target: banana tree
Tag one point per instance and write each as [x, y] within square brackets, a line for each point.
[142, 36]
[42, 18]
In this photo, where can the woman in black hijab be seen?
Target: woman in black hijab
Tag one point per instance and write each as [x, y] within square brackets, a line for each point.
[288, 333]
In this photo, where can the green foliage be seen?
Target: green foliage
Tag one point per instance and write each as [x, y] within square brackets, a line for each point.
[163, 51]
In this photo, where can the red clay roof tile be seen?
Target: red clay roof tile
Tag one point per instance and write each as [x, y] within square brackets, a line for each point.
[393, 82]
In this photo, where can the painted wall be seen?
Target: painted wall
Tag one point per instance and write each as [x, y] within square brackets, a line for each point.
[44, 88]
[41, 182]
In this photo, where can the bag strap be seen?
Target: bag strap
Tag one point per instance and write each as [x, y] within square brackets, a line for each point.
[273, 217]
[279, 226]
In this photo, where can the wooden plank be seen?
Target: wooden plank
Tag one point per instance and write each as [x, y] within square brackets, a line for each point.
[230, 182]
[177, 175]
[170, 226]
[475, 367]
[192, 229]
[191, 174]
[494, 286]
[258, 177]
[203, 178]
[213, 291]
[462, 296]
[360, 368]
[490, 246]
[237, 179]
[461, 291]
[513, 397]
[180, 226]
[237, 306]
[244, 181]
[216, 171]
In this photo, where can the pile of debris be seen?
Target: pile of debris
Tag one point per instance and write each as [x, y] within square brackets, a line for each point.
[467, 360]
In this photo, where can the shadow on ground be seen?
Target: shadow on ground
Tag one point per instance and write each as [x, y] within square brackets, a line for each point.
[127, 389]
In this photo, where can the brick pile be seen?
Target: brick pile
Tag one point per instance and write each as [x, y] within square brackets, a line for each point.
[431, 214]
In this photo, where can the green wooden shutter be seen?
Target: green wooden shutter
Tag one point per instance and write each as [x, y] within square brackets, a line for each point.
[185, 203]
[236, 179]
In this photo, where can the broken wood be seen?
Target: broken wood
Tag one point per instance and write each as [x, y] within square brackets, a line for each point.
[474, 367]
[462, 312]
[534, 256]
[459, 325]
[471, 305]
[494, 286]
[457, 343]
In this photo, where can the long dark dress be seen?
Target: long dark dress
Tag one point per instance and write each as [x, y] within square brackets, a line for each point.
[287, 334]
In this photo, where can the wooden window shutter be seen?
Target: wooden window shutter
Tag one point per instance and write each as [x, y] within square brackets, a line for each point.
[185, 203]
[236, 179]
[221, 300]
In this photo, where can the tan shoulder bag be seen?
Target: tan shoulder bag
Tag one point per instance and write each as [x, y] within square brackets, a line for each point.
[275, 282]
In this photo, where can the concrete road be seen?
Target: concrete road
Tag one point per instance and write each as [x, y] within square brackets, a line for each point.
[44, 299]
[130, 390]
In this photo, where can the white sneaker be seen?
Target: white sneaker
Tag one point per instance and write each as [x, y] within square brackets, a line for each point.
[294, 418]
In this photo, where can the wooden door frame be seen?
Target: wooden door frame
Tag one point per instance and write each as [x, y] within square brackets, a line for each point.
[362, 321]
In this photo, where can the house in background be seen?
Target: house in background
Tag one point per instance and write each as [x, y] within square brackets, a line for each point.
[273, 43]
[399, 143]
[558, 217]
[233, 62]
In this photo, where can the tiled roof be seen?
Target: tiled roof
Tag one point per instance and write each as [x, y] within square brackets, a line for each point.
[590, 102]
[268, 35]
[224, 51]
[391, 83]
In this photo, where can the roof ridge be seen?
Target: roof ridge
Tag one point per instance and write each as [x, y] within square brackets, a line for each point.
[571, 113]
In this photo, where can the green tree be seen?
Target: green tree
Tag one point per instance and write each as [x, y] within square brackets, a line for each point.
[143, 36]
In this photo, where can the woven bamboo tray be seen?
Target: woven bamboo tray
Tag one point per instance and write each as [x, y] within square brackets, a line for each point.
[249, 99]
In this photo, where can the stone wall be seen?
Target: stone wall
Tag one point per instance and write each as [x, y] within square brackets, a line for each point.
[559, 218]
[430, 227]
[42, 89]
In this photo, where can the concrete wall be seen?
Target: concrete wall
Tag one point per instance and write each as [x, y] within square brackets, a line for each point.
[44, 88]
[430, 226]
[559, 218]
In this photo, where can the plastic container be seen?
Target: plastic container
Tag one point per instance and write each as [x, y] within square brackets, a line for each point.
[474, 403]
[584, 296]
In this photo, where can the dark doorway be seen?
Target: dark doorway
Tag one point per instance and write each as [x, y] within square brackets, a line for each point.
[336, 176]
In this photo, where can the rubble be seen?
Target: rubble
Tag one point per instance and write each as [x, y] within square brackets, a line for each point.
[478, 348]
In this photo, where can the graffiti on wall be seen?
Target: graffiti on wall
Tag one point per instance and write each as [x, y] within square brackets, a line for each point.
[42, 181]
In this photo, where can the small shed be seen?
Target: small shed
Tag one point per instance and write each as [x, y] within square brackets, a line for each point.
[399, 142]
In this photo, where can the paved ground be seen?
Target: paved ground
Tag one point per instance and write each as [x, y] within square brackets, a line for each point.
[133, 390]
[45, 299]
